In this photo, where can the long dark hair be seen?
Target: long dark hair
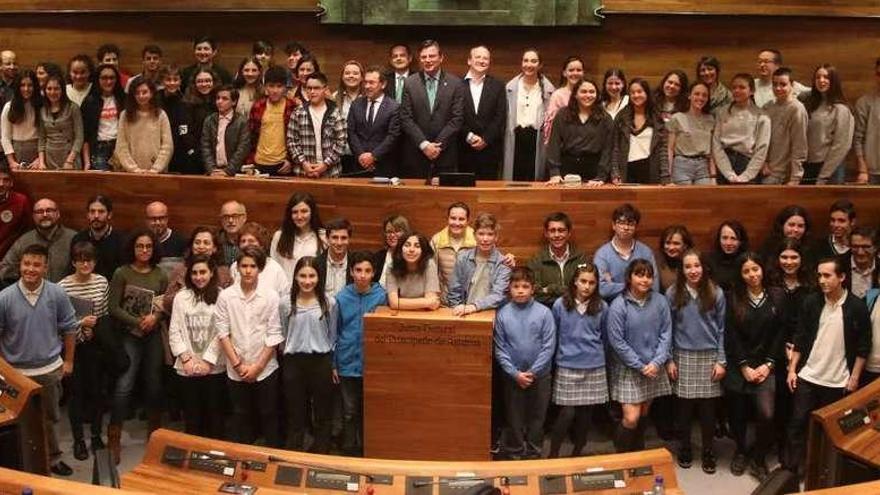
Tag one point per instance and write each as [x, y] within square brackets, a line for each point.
[835, 90]
[212, 290]
[64, 101]
[239, 81]
[776, 276]
[617, 72]
[131, 105]
[650, 107]
[706, 290]
[192, 95]
[573, 109]
[783, 216]
[320, 294]
[638, 266]
[739, 229]
[118, 90]
[740, 291]
[399, 268]
[681, 101]
[594, 304]
[288, 228]
[16, 106]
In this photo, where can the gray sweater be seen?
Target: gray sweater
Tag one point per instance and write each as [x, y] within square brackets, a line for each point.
[788, 140]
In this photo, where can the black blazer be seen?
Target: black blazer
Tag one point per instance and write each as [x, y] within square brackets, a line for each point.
[856, 328]
[846, 263]
[419, 123]
[391, 84]
[380, 137]
[321, 261]
[487, 121]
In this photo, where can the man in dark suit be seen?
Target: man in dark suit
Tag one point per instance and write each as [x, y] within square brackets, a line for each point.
[399, 61]
[431, 117]
[374, 126]
[485, 113]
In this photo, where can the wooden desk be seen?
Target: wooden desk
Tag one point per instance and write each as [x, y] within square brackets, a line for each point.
[264, 467]
[427, 385]
[21, 422]
[12, 482]
[869, 488]
[843, 445]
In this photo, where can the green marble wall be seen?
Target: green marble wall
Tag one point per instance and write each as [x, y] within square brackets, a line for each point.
[462, 12]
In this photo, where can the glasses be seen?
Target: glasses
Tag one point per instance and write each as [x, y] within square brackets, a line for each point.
[46, 211]
[862, 247]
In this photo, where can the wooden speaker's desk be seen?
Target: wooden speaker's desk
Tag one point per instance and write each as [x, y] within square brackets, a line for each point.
[869, 488]
[427, 385]
[843, 445]
[22, 431]
[176, 463]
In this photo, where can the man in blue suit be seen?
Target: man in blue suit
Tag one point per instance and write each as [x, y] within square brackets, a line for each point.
[374, 126]
[431, 116]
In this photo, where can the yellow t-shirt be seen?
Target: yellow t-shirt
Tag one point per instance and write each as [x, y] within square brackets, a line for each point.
[271, 147]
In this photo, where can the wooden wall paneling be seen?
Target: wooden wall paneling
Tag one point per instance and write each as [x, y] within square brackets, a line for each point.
[196, 201]
[824, 8]
[87, 6]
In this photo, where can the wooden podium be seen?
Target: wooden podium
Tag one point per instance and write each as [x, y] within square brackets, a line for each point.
[22, 432]
[427, 385]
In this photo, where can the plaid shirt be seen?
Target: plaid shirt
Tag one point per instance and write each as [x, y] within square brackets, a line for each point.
[301, 142]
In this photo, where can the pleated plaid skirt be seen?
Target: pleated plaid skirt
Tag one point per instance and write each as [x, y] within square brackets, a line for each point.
[628, 386]
[695, 374]
[574, 387]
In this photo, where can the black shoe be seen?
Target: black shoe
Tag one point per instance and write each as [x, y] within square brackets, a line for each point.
[685, 458]
[80, 452]
[709, 462]
[738, 464]
[61, 469]
[721, 430]
[97, 443]
[758, 469]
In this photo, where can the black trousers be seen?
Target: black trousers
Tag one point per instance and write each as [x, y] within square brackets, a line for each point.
[252, 402]
[705, 410]
[86, 390]
[525, 149]
[762, 398]
[203, 398]
[307, 378]
[580, 417]
[352, 414]
[807, 397]
[639, 172]
[525, 411]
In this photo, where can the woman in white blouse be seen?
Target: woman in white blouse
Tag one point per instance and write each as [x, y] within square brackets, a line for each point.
[300, 234]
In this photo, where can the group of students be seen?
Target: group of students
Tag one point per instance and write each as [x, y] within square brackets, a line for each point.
[395, 121]
[269, 328]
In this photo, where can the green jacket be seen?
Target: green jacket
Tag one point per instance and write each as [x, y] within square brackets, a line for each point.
[549, 281]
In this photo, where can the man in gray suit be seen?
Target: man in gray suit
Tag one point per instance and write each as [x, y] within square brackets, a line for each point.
[431, 116]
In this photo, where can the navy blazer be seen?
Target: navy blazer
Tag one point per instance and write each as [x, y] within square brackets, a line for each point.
[379, 138]
[440, 124]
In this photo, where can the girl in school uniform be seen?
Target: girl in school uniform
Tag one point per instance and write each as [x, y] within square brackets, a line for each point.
[671, 95]
[581, 380]
[639, 155]
[741, 136]
[412, 282]
[614, 97]
[308, 319]
[754, 345]
[829, 130]
[639, 327]
[690, 141]
[199, 362]
[572, 73]
[698, 361]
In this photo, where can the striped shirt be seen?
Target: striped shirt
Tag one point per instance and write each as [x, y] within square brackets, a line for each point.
[95, 290]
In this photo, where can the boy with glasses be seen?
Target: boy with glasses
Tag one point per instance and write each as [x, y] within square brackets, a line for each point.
[614, 256]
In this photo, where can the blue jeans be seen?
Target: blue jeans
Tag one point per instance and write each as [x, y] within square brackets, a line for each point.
[146, 356]
[688, 171]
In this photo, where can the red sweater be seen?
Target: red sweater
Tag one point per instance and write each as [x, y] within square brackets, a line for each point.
[15, 218]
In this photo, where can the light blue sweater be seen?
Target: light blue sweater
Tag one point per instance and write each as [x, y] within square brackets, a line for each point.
[608, 261]
[525, 338]
[581, 337]
[640, 334]
[693, 330]
[29, 334]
